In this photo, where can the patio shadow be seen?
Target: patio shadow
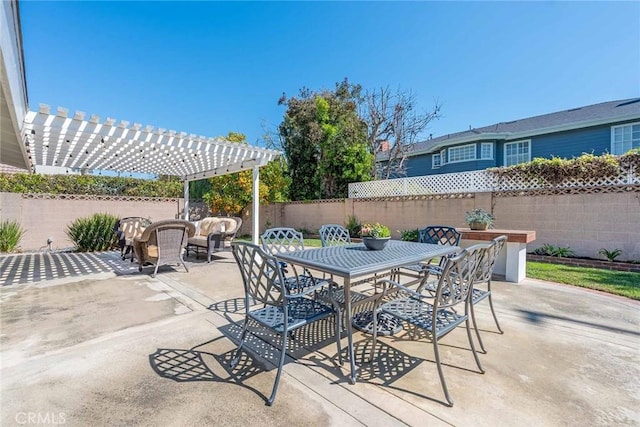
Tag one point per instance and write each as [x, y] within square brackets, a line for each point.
[187, 365]
[539, 318]
[36, 267]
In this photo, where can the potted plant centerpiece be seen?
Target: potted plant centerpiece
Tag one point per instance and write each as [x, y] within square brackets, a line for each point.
[478, 219]
[375, 236]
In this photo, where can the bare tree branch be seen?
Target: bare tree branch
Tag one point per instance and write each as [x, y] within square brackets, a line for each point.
[394, 127]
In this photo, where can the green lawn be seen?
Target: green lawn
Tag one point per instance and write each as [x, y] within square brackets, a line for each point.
[614, 282]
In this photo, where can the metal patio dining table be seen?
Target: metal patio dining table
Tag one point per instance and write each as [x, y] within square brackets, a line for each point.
[355, 261]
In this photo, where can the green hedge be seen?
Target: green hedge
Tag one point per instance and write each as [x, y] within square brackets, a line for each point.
[90, 184]
[556, 170]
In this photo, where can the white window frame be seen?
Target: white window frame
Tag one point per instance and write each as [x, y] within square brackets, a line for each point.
[507, 144]
[484, 145]
[433, 160]
[614, 151]
[462, 148]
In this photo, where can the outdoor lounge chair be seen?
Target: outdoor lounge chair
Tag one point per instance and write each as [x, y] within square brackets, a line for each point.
[126, 229]
[279, 309]
[214, 234]
[443, 312]
[162, 243]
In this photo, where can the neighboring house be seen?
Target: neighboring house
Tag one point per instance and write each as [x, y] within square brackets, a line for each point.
[610, 127]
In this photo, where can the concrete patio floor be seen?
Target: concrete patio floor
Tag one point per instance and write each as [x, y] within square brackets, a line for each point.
[127, 349]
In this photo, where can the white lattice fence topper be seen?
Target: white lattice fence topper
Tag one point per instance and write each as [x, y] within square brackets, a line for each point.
[463, 182]
[524, 183]
[474, 182]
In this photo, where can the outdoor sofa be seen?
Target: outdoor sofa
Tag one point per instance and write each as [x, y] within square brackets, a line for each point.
[213, 234]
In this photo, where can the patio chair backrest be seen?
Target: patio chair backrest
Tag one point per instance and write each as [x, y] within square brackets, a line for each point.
[260, 272]
[488, 261]
[131, 227]
[282, 240]
[439, 235]
[171, 240]
[149, 234]
[457, 277]
[334, 235]
[218, 224]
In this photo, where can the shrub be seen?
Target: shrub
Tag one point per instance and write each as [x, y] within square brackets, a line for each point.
[94, 233]
[354, 225]
[546, 249]
[10, 235]
[630, 161]
[90, 184]
[556, 170]
[610, 255]
[563, 252]
[409, 235]
[306, 232]
[550, 250]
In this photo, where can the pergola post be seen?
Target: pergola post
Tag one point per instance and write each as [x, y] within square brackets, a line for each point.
[256, 205]
[186, 199]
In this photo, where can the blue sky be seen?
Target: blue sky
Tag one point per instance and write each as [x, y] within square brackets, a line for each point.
[213, 67]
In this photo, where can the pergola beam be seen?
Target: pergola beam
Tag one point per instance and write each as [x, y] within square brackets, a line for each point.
[70, 141]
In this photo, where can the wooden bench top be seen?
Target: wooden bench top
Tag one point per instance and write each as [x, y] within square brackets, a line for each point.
[514, 236]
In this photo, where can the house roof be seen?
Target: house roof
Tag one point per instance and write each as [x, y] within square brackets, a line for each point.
[590, 115]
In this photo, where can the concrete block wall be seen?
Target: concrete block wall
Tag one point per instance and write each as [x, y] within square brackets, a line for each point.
[584, 222]
[44, 218]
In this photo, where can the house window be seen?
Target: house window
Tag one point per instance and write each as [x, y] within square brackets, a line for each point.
[436, 161]
[517, 152]
[486, 151]
[462, 153]
[624, 138]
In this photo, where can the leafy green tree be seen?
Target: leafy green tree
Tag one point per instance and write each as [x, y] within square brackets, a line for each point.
[232, 193]
[325, 142]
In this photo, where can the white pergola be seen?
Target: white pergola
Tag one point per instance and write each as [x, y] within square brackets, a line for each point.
[72, 141]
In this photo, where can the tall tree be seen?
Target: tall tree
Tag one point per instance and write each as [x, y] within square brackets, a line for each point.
[394, 125]
[325, 142]
[232, 193]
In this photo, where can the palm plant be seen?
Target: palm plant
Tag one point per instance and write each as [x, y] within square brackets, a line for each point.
[611, 255]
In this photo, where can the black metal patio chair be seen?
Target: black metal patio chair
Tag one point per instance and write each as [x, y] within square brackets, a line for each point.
[282, 310]
[281, 240]
[337, 235]
[483, 276]
[436, 235]
[334, 235]
[438, 314]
